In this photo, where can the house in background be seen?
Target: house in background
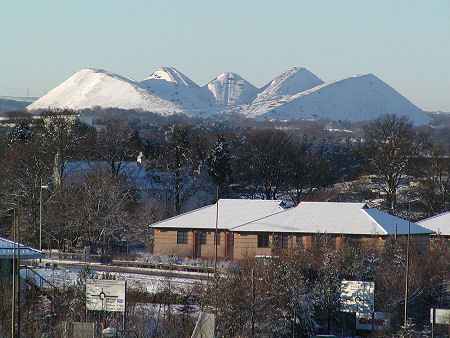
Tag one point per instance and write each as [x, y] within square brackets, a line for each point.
[255, 227]
[154, 185]
[440, 224]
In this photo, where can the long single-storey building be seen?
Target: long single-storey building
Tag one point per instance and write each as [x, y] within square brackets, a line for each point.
[255, 227]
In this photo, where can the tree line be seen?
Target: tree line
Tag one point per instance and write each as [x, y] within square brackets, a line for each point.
[293, 164]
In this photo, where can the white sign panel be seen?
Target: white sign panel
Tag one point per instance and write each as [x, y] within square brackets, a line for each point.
[105, 295]
[441, 316]
[364, 321]
[357, 296]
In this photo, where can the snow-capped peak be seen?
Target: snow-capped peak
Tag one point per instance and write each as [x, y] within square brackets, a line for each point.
[231, 89]
[291, 82]
[92, 87]
[170, 74]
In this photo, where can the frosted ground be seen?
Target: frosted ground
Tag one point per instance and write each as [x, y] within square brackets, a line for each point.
[66, 277]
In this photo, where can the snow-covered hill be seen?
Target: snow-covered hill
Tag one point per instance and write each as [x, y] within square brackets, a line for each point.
[230, 89]
[357, 98]
[175, 87]
[291, 82]
[295, 94]
[96, 87]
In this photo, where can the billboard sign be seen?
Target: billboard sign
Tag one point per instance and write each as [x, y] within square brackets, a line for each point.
[105, 295]
[357, 296]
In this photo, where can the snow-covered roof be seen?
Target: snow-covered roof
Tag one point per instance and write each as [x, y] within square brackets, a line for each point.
[232, 212]
[333, 218]
[143, 179]
[438, 223]
[26, 252]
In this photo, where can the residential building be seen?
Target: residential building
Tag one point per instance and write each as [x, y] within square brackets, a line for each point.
[192, 234]
[256, 227]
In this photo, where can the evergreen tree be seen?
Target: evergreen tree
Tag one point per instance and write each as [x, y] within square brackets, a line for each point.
[219, 161]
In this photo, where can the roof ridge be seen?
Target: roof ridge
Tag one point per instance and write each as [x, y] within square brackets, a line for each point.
[434, 216]
[258, 219]
[185, 213]
[378, 224]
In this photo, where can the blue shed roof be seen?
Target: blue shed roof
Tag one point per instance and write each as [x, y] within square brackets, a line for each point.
[26, 252]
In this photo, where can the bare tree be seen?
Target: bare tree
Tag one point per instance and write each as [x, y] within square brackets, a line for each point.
[263, 162]
[62, 136]
[113, 144]
[178, 158]
[391, 142]
[21, 168]
[308, 169]
[433, 188]
[94, 207]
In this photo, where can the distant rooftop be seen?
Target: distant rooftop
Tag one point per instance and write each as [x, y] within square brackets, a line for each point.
[438, 223]
[144, 179]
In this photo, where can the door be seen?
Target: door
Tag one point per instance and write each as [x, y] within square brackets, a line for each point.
[198, 244]
[229, 243]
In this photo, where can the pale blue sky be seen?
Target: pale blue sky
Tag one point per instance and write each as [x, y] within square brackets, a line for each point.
[404, 43]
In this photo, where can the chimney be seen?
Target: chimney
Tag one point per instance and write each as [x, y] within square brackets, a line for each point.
[141, 160]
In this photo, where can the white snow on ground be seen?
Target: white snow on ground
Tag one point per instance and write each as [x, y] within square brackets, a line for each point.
[295, 94]
[68, 276]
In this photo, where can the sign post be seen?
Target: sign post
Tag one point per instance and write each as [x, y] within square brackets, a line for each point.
[106, 295]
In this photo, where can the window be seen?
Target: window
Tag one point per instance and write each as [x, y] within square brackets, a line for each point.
[355, 241]
[299, 241]
[263, 240]
[182, 237]
[218, 238]
[284, 241]
[333, 242]
[280, 242]
[203, 237]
